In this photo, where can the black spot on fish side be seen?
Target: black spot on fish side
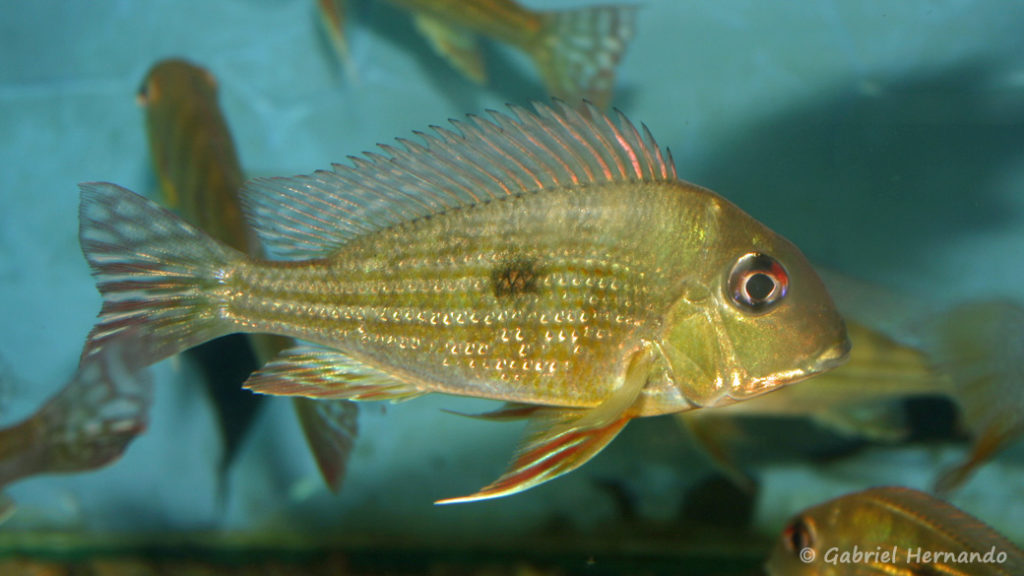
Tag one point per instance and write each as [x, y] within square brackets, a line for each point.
[515, 276]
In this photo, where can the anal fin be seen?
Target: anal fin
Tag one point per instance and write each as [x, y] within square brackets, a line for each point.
[559, 440]
[315, 372]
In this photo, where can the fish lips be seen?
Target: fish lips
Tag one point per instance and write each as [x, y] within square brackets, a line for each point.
[829, 358]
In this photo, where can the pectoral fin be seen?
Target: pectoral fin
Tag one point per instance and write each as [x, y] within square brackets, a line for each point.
[321, 373]
[559, 440]
[457, 45]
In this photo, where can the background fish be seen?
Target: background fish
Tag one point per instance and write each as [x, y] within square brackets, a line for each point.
[87, 425]
[200, 175]
[332, 19]
[575, 51]
[880, 519]
[551, 259]
[980, 347]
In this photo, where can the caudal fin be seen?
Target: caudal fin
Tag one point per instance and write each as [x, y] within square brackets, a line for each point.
[157, 273]
[578, 50]
[980, 347]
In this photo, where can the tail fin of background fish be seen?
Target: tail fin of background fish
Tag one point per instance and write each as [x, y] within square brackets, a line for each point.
[87, 425]
[980, 347]
[157, 274]
[578, 50]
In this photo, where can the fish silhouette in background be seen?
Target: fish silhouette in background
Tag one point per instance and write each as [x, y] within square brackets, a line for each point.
[575, 51]
[333, 15]
[979, 347]
[85, 426]
[903, 527]
[200, 177]
[547, 258]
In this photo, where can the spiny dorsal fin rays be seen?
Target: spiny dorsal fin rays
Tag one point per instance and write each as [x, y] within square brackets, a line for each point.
[474, 161]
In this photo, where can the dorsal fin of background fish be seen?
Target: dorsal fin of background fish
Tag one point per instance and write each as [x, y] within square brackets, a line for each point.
[477, 161]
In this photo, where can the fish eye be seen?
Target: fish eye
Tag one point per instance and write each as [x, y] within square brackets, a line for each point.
[757, 282]
[799, 534]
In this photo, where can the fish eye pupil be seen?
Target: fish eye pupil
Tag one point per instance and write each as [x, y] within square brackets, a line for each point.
[798, 536]
[760, 286]
[757, 282]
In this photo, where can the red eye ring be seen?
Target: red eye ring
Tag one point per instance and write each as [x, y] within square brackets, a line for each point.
[757, 282]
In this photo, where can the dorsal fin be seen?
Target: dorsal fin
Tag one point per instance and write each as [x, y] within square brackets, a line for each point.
[475, 161]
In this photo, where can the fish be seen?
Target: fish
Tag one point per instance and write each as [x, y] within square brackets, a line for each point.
[896, 530]
[333, 14]
[978, 346]
[549, 258]
[200, 174]
[857, 399]
[576, 51]
[87, 425]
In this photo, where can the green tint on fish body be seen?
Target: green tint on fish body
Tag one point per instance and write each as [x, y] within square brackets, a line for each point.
[547, 258]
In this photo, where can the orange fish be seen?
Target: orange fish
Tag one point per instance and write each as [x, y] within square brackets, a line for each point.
[200, 175]
[87, 425]
[548, 258]
[891, 530]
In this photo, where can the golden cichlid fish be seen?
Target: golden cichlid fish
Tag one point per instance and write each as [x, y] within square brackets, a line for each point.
[550, 259]
[891, 530]
[575, 51]
[200, 175]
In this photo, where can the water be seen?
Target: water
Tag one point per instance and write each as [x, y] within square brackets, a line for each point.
[884, 139]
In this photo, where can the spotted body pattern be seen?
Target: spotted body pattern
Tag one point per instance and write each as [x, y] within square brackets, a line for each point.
[547, 258]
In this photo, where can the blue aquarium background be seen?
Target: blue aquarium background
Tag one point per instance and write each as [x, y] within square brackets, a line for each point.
[885, 139]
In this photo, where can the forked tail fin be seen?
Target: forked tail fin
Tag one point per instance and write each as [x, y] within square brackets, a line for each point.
[157, 273]
[577, 51]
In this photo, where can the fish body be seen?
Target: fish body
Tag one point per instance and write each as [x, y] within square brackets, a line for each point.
[547, 258]
[200, 177]
[87, 425]
[908, 531]
[576, 51]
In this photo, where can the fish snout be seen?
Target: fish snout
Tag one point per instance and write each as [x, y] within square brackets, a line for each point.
[833, 356]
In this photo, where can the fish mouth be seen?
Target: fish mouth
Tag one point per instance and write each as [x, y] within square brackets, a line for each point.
[827, 359]
[831, 357]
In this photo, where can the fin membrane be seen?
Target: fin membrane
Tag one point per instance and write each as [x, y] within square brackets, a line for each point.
[331, 427]
[316, 372]
[579, 50]
[559, 440]
[156, 272]
[478, 161]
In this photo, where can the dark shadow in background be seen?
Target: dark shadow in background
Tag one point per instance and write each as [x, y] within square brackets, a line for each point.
[866, 180]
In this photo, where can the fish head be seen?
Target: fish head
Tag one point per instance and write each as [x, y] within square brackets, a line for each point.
[796, 549]
[753, 318]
